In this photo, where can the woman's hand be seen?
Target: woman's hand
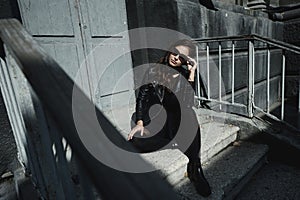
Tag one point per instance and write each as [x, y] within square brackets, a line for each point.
[138, 128]
[134, 130]
[192, 64]
[191, 68]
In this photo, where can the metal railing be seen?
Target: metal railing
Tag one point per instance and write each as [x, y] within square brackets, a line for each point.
[253, 42]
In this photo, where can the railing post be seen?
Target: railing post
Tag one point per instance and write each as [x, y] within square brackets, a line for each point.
[268, 80]
[232, 74]
[299, 95]
[220, 74]
[250, 78]
[198, 74]
[207, 69]
[282, 85]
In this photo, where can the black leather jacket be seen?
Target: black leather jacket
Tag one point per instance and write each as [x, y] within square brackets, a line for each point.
[154, 93]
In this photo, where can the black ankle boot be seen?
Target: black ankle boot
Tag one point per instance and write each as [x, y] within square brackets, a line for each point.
[195, 174]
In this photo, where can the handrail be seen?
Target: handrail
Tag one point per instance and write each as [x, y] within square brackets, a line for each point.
[269, 44]
[274, 42]
[278, 43]
[43, 72]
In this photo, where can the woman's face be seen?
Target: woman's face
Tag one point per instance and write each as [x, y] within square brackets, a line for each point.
[177, 58]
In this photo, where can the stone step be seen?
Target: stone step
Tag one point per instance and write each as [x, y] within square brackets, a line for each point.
[215, 136]
[7, 189]
[227, 172]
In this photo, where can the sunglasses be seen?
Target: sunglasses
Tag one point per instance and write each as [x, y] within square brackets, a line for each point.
[183, 58]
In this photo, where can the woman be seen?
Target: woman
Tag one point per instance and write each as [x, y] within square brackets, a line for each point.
[171, 84]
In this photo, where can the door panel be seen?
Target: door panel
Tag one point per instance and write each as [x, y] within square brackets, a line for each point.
[47, 17]
[109, 74]
[106, 17]
[58, 51]
[102, 20]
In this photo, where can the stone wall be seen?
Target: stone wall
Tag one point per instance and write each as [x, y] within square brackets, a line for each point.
[292, 36]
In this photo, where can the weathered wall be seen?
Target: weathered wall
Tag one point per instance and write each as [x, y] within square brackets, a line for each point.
[292, 36]
[191, 18]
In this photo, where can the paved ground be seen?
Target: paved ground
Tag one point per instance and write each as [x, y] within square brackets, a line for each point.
[7, 189]
[280, 178]
[274, 181]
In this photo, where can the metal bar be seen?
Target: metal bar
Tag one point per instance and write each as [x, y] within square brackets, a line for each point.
[268, 114]
[283, 85]
[250, 78]
[239, 49]
[299, 95]
[232, 74]
[276, 43]
[253, 73]
[198, 72]
[268, 80]
[207, 70]
[277, 119]
[222, 102]
[224, 38]
[220, 74]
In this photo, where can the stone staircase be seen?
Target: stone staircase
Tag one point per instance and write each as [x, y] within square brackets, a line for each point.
[227, 167]
[227, 172]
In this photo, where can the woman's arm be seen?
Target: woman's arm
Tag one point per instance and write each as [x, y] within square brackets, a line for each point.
[192, 69]
[141, 108]
[192, 76]
[141, 101]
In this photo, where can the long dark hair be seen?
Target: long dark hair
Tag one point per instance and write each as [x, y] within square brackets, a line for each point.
[164, 75]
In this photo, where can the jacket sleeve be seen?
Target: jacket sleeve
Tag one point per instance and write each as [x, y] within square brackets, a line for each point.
[142, 101]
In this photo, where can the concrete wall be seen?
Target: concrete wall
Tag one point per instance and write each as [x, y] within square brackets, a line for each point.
[292, 36]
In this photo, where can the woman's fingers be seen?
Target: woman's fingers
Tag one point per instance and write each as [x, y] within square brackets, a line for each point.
[131, 134]
[134, 130]
[191, 63]
[129, 137]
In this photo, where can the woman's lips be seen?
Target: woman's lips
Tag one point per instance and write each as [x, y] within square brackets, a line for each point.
[174, 62]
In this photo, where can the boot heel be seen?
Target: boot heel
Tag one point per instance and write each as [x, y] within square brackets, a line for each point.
[196, 176]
